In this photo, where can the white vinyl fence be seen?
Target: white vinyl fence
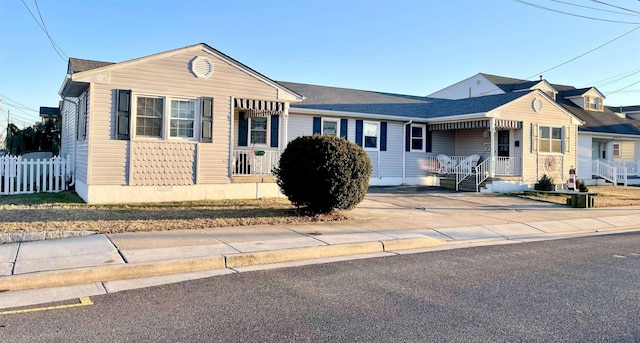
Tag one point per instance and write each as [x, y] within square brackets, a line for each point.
[22, 176]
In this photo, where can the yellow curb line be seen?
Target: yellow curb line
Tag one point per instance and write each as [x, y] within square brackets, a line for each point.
[84, 301]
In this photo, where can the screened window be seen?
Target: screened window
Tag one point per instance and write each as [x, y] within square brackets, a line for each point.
[616, 149]
[183, 114]
[149, 114]
[418, 135]
[371, 132]
[258, 130]
[330, 127]
[550, 139]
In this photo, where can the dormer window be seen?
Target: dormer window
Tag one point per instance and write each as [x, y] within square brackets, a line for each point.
[593, 103]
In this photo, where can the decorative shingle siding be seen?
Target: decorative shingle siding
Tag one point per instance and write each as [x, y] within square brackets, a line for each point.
[163, 164]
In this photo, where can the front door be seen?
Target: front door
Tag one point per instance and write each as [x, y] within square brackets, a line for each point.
[503, 143]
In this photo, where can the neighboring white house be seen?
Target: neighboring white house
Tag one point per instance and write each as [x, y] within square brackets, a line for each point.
[608, 143]
[193, 123]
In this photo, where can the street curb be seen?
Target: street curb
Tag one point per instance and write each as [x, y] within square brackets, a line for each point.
[266, 257]
[112, 272]
[411, 243]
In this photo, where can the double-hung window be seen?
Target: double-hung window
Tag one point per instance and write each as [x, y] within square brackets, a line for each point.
[165, 118]
[371, 133]
[149, 116]
[182, 123]
[550, 139]
[616, 150]
[418, 137]
[258, 130]
[330, 127]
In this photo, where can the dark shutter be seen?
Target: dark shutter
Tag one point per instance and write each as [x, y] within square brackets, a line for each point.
[407, 138]
[243, 126]
[344, 124]
[359, 132]
[429, 141]
[317, 123]
[206, 120]
[383, 136]
[275, 120]
[123, 113]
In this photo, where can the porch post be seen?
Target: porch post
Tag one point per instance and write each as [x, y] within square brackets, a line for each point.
[285, 128]
[492, 130]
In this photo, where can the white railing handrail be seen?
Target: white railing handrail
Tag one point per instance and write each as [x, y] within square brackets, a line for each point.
[482, 173]
[606, 171]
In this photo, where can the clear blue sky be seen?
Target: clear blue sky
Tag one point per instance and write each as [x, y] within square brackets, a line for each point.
[401, 46]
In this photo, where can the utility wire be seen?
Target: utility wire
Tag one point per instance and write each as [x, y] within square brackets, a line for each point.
[623, 88]
[617, 77]
[594, 8]
[16, 102]
[586, 53]
[618, 7]
[575, 15]
[55, 46]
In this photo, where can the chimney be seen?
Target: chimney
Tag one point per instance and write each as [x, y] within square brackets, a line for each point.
[540, 77]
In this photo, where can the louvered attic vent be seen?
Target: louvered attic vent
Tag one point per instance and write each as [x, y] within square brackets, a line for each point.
[202, 67]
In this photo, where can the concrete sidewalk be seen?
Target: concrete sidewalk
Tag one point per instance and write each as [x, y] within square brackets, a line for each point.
[385, 224]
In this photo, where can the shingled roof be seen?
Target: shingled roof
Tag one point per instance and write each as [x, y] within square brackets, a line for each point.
[371, 102]
[77, 65]
[600, 122]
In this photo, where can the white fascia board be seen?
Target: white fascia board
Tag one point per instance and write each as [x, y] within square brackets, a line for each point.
[317, 112]
[612, 136]
[310, 111]
[65, 82]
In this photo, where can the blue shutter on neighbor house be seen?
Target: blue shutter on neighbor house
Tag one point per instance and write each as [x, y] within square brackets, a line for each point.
[317, 122]
[343, 128]
[359, 132]
[206, 120]
[243, 127]
[274, 131]
[407, 137]
[383, 136]
[429, 144]
[123, 113]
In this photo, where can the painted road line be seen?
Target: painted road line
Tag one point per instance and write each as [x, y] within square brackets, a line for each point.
[84, 301]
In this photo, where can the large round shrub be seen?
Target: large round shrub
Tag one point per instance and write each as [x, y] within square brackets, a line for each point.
[324, 173]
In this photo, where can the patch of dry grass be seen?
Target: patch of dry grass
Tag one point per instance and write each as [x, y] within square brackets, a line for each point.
[608, 196]
[55, 216]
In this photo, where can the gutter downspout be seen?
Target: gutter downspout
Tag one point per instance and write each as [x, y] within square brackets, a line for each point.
[404, 152]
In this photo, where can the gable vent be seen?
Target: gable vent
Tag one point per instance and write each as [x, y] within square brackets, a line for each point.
[202, 67]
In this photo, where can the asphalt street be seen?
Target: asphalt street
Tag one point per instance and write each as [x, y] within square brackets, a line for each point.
[570, 290]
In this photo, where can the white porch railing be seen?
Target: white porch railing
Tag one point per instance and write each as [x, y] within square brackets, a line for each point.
[19, 176]
[610, 171]
[504, 166]
[254, 162]
[632, 167]
[508, 166]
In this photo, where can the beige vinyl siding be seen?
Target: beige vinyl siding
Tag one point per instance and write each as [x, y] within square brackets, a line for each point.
[549, 115]
[627, 151]
[169, 76]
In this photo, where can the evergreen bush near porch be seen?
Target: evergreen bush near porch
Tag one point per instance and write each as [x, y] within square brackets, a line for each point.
[324, 173]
